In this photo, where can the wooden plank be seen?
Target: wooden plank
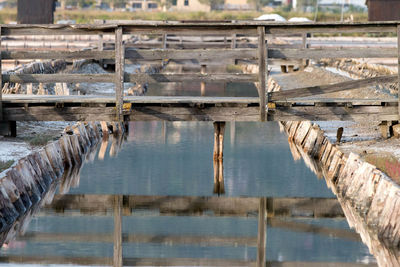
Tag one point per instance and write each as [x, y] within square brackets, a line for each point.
[339, 101]
[313, 113]
[117, 258]
[285, 29]
[262, 84]
[317, 53]
[119, 73]
[36, 99]
[144, 113]
[194, 30]
[57, 29]
[200, 54]
[330, 88]
[190, 77]
[85, 54]
[59, 78]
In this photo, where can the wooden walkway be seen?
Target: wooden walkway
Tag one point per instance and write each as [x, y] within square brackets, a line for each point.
[274, 106]
[192, 108]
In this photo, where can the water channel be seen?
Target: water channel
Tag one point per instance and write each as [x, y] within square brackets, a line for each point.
[158, 183]
[162, 175]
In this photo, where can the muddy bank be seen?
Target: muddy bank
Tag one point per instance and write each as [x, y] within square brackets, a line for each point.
[370, 199]
[371, 195]
[30, 180]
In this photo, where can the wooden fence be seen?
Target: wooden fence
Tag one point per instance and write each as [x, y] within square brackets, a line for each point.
[122, 53]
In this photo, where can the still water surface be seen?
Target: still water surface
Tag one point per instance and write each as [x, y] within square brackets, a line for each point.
[159, 178]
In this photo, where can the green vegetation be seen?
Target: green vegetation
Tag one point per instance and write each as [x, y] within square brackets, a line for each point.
[234, 69]
[39, 140]
[89, 15]
[4, 165]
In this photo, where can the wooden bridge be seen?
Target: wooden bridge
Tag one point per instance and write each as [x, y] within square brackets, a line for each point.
[274, 106]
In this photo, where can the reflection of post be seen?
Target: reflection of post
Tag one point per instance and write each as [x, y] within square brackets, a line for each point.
[203, 84]
[233, 132]
[117, 262]
[164, 131]
[219, 186]
[103, 147]
[219, 129]
[262, 233]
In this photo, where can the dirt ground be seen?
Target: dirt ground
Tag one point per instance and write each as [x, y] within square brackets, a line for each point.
[363, 138]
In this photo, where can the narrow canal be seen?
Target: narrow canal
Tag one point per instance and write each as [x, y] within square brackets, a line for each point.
[160, 179]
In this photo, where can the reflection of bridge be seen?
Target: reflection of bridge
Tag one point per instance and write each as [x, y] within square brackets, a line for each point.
[272, 212]
[281, 105]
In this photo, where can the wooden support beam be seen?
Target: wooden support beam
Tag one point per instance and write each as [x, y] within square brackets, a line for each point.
[262, 50]
[117, 258]
[200, 54]
[119, 73]
[318, 53]
[58, 78]
[262, 233]
[84, 54]
[330, 88]
[192, 77]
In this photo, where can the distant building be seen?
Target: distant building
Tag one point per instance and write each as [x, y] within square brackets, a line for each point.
[189, 5]
[381, 10]
[36, 11]
[144, 5]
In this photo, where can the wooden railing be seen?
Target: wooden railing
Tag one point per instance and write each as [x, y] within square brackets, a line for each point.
[122, 54]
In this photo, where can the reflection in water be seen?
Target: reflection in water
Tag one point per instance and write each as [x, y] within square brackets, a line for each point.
[385, 253]
[108, 228]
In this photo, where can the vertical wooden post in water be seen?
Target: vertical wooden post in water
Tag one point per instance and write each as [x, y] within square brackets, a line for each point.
[117, 259]
[219, 129]
[219, 186]
[119, 73]
[262, 233]
[203, 84]
[262, 53]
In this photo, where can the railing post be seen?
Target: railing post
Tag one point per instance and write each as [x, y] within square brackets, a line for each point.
[100, 44]
[233, 45]
[304, 45]
[262, 54]
[398, 66]
[119, 73]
